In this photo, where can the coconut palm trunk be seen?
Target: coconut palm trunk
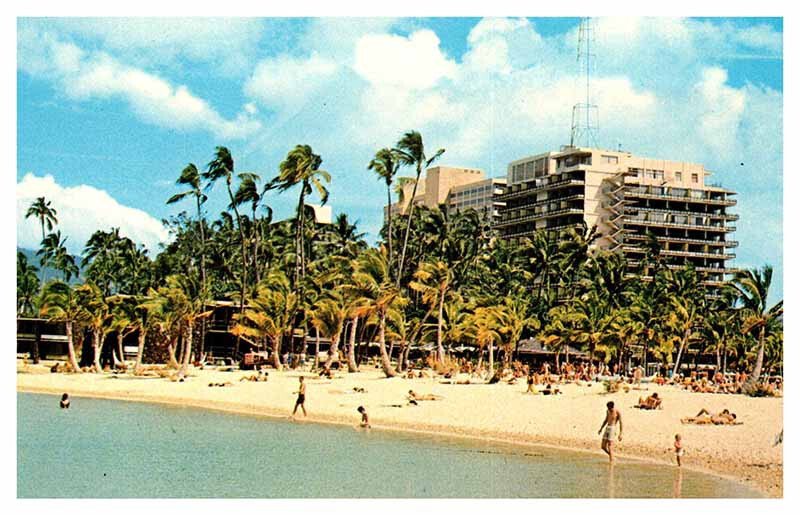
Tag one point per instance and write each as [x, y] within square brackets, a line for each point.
[97, 347]
[276, 352]
[120, 348]
[439, 323]
[351, 348]
[333, 352]
[756, 374]
[316, 348]
[682, 347]
[491, 357]
[187, 349]
[73, 360]
[408, 227]
[386, 363]
[388, 218]
[140, 350]
[173, 362]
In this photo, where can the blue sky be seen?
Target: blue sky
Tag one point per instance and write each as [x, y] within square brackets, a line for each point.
[110, 110]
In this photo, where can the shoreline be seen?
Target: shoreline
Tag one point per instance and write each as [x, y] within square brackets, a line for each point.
[768, 482]
[235, 409]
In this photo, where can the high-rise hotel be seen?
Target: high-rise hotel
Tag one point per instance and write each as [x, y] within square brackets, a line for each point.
[626, 197]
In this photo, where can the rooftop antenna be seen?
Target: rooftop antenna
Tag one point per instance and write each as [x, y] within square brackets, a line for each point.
[585, 115]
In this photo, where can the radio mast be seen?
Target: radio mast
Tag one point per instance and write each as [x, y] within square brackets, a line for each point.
[585, 115]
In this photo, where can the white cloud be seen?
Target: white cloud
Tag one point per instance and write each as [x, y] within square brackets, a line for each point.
[413, 62]
[226, 43]
[82, 210]
[86, 76]
[287, 81]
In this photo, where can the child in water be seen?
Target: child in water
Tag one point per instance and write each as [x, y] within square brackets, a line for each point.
[364, 417]
[64, 401]
[678, 449]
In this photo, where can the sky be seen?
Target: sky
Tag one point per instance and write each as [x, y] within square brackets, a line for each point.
[110, 110]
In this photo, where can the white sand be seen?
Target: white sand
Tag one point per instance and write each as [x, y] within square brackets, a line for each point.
[500, 411]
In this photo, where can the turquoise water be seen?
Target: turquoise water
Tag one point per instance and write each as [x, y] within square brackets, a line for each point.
[101, 448]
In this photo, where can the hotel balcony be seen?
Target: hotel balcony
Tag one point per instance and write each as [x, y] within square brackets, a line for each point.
[662, 238]
[681, 253]
[696, 196]
[539, 216]
[653, 223]
[529, 205]
[540, 185]
[533, 231]
[632, 210]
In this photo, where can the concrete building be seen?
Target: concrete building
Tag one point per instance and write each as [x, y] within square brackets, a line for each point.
[625, 196]
[457, 188]
[482, 196]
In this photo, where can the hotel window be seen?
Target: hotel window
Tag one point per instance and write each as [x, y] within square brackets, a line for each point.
[695, 177]
[612, 160]
[678, 176]
[539, 167]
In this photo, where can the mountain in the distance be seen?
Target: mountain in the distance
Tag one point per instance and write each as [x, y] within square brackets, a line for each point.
[49, 273]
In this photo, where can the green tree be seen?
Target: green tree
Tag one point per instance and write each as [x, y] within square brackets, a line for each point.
[372, 285]
[61, 303]
[410, 151]
[269, 313]
[42, 209]
[191, 178]
[434, 282]
[302, 166]
[54, 253]
[385, 164]
[753, 289]
[27, 286]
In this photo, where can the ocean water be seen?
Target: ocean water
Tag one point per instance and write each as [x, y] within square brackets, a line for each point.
[115, 449]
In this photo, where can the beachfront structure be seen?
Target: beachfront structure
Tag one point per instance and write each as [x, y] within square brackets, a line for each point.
[457, 188]
[627, 198]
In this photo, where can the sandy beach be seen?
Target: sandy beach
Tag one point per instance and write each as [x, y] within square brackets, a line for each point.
[501, 412]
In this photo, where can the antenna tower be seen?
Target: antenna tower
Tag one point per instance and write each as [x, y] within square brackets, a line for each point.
[585, 115]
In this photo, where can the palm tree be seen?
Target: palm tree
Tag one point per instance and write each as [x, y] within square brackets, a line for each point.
[269, 313]
[191, 177]
[27, 285]
[60, 302]
[683, 320]
[483, 328]
[181, 301]
[592, 319]
[329, 316]
[301, 166]
[373, 287]
[513, 317]
[434, 281]
[54, 253]
[410, 151]
[98, 312]
[753, 289]
[385, 164]
[41, 209]
[248, 191]
[222, 166]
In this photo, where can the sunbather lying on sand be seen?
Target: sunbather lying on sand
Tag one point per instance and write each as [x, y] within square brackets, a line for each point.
[704, 417]
[651, 402]
[226, 383]
[413, 397]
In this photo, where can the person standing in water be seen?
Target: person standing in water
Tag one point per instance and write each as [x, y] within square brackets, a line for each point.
[64, 401]
[301, 398]
[364, 417]
[613, 417]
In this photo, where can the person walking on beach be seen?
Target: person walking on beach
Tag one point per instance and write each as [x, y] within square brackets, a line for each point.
[64, 401]
[613, 417]
[301, 398]
[678, 449]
